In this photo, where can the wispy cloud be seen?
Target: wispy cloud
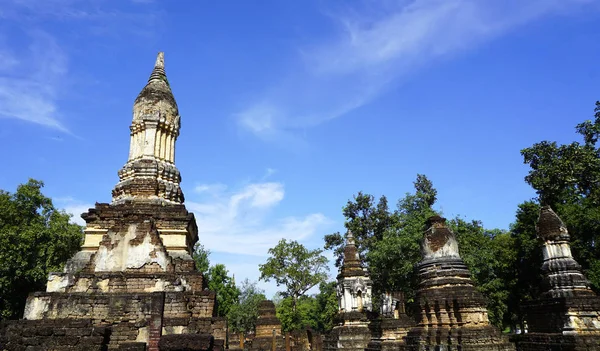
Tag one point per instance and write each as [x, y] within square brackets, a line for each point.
[376, 47]
[241, 221]
[29, 85]
[33, 75]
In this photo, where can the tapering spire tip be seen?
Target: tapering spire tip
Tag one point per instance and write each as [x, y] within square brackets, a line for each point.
[160, 60]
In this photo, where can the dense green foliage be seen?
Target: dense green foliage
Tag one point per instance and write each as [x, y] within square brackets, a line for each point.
[223, 285]
[243, 314]
[316, 312]
[36, 239]
[295, 267]
[388, 241]
[201, 258]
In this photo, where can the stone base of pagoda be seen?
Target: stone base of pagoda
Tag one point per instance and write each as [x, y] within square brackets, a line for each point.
[562, 323]
[389, 334]
[352, 333]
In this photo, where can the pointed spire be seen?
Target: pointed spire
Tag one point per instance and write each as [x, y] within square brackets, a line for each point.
[158, 73]
[156, 93]
[352, 265]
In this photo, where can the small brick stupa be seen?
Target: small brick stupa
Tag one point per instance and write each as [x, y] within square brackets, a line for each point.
[134, 282]
[354, 295]
[452, 314]
[566, 317]
[268, 335]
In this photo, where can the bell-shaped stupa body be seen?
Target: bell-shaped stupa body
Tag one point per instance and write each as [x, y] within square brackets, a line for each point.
[562, 275]
[567, 314]
[452, 313]
[135, 276]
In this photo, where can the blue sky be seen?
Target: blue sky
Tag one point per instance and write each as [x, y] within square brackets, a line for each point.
[289, 108]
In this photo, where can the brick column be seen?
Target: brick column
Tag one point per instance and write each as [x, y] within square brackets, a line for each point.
[155, 322]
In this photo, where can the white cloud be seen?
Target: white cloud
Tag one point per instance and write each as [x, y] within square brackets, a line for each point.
[377, 47]
[30, 92]
[74, 207]
[241, 221]
[269, 172]
[31, 78]
[213, 189]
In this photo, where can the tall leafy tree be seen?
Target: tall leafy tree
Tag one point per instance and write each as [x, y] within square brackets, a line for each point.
[316, 312]
[326, 306]
[366, 219]
[489, 255]
[202, 261]
[223, 285]
[243, 314]
[567, 177]
[295, 267]
[392, 258]
[527, 263]
[35, 239]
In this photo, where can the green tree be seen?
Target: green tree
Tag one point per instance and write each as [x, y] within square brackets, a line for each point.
[393, 258]
[223, 285]
[367, 221]
[567, 177]
[326, 306]
[316, 312]
[36, 239]
[201, 258]
[528, 261]
[295, 267]
[490, 257]
[243, 314]
[304, 316]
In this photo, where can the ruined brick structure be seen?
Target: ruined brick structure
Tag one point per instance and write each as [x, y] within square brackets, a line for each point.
[268, 336]
[566, 317]
[354, 295]
[390, 328]
[452, 314]
[134, 282]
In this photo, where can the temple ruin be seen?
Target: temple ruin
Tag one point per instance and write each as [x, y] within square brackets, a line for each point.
[134, 283]
[268, 334]
[566, 317]
[452, 313]
[354, 290]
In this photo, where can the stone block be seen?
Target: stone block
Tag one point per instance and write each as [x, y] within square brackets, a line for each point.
[186, 342]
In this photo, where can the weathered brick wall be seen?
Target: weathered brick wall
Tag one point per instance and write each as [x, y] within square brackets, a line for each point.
[138, 316]
[555, 342]
[58, 334]
[131, 282]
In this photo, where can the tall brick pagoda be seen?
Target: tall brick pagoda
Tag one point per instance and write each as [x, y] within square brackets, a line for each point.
[566, 317]
[354, 292]
[134, 283]
[452, 314]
